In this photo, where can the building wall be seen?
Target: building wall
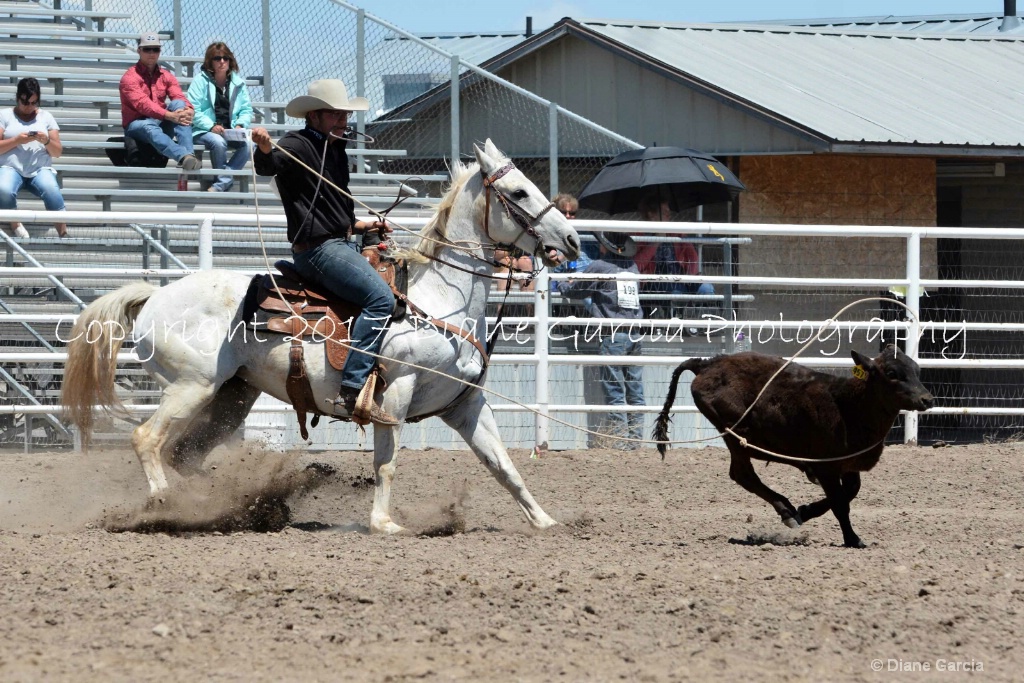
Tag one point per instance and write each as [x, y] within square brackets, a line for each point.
[988, 202]
[830, 190]
[633, 100]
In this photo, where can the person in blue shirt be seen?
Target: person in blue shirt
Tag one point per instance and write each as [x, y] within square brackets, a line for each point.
[616, 300]
[222, 103]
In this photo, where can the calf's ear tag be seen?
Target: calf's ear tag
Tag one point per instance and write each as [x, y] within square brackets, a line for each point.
[859, 372]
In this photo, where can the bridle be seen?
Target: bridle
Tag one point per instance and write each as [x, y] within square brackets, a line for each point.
[520, 216]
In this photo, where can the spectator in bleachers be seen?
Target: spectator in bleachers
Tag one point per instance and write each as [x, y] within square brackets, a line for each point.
[146, 113]
[221, 101]
[29, 141]
[568, 205]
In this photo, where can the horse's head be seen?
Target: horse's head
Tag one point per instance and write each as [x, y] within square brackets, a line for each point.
[516, 212]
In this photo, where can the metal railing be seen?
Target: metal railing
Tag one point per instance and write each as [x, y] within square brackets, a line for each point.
[544, 353]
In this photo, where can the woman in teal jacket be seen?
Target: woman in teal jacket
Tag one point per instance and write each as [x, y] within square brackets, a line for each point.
[222, 103]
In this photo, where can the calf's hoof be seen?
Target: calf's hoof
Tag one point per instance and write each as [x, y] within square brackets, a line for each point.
[792, 519]
[854, 542]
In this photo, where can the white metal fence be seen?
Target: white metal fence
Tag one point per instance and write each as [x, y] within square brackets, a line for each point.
[549, 372]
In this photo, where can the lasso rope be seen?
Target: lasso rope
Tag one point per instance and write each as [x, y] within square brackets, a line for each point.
[816, 337]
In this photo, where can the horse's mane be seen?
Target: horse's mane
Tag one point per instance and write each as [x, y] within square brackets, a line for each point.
[437, 227]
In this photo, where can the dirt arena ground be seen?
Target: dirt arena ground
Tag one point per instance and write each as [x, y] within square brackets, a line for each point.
[661, 571]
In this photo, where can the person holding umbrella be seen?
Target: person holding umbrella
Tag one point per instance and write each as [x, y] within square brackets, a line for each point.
[666, 258]
[674, 178]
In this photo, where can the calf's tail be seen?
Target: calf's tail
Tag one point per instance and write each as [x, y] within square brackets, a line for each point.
[694, 365]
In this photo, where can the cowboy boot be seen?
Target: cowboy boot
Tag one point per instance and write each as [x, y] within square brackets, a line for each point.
[347, 401]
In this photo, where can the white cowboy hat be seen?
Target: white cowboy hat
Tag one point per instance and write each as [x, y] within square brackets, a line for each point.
[329, 93]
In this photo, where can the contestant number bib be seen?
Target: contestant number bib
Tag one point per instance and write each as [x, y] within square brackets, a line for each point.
[629, 294]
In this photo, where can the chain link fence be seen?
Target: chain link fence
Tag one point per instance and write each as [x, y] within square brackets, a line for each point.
[407, 81]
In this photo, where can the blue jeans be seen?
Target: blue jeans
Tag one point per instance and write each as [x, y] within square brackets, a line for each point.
[43, 185]
[217, 146]
[696, 288]
[337, 265]
[622, 385]
[161, 134]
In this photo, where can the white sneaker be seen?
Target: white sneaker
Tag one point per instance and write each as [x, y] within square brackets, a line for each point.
[19, 230]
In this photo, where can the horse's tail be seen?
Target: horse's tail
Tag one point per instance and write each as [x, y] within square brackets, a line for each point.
[92, 354]
[661, 423]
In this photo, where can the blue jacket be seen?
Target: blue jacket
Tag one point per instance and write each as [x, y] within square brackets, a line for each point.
[604, 294]
[203, 92]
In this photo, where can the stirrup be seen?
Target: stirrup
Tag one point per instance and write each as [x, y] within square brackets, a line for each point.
[366, 408]
[361, 408]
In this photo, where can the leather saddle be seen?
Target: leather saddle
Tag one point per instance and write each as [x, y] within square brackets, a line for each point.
[306, 312]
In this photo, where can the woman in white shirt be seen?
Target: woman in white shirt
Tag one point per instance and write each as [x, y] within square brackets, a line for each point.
[29, 141]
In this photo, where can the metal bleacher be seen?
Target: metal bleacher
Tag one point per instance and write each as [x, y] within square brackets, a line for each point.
[79, 64]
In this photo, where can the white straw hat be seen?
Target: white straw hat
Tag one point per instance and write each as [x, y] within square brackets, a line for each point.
[329, 93]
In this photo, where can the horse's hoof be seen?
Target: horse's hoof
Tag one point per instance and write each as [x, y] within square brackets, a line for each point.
[388, 528]
[793, 521]
[544, 523]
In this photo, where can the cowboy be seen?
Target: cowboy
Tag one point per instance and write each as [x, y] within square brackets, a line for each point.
[321, 221]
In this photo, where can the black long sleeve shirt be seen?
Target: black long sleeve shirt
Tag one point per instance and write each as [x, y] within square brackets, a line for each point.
[331, 214]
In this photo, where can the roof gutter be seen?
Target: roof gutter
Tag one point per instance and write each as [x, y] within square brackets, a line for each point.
[919, 150]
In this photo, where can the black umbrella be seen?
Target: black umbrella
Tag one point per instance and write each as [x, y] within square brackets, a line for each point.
[685, 177]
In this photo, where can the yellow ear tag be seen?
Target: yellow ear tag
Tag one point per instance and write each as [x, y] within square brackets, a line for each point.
[859, 372]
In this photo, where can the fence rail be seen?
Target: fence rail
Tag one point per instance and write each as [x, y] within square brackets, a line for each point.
[546, 352]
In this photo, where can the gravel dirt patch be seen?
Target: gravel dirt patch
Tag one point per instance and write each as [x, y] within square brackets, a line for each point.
[660, 571]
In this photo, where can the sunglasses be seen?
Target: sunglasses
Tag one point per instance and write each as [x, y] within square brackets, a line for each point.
[569, 214]
[150, 49]
[28, 101]
[220, 58]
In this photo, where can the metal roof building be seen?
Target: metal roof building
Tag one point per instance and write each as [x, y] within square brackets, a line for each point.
[908, 121]
[979, 24]
[757, 88]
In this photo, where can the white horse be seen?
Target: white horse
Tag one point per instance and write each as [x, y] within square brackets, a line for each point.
[210, 379]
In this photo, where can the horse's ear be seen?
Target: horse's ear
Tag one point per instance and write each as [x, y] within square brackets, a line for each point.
[488, 164]
[493, 150]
